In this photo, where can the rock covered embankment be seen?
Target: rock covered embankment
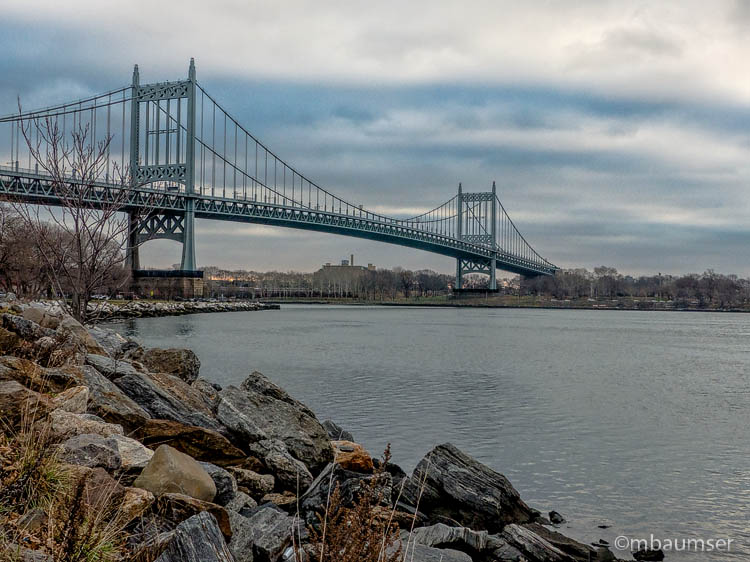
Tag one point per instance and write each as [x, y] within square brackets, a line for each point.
[204, 473]
[147, 309]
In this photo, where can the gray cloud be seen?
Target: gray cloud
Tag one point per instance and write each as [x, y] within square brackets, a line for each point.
[617, 134]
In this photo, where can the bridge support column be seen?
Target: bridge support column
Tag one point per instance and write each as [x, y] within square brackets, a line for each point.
[493, 276]
[188, 241]
[459, 273]
[132, 258]
[188, 237]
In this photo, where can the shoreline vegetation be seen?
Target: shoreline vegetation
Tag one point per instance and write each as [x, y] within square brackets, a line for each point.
[110, 451]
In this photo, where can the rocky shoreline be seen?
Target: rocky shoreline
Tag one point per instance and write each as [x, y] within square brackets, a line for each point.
[185, 470]
[103, 311]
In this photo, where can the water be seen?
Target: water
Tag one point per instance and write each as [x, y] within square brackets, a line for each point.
[638, 420]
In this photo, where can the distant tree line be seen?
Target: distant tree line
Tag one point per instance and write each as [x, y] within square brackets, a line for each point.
[357, 283]
[706, 290]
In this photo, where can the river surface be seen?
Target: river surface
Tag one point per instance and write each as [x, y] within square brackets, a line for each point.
[638, 420]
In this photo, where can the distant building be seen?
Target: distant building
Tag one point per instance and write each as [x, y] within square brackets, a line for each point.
[342, 278]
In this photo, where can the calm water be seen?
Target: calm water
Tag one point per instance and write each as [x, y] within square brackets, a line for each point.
[637, 420]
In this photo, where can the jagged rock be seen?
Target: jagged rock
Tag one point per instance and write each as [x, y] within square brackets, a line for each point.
[458, 488]
[198, 442]
[226, 483]
[208, 393]
[443, 536]
[567, 545]
[17, 401]
[414, 552]
[31, 375]
[111, 368]
[182, 391]
[26, 329]
[336, 432]
[109, 402]
[253, 417]
[241, 501]
[135, 502]
[533, 546]
[113, 343]
[182, 363]
[351, 486]
[500, 549]
[72, 327]
[257, 485]
[258, 383]
[352, 456]
[263, 536]
[290, 473]
[170, 471]
[161, 404]
[178, 507]
[197, 539]
[92, 451]
[73, 400]
[66, 424]
[133, 453]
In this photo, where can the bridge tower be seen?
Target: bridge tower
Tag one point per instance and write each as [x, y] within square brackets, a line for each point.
[477, 224]
[162, 153]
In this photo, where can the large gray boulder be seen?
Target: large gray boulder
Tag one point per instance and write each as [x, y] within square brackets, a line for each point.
[262, 537]
[170, 471]
[290, 473]
[159, 403]
[253, 417]
[92, 451]
[112, 342]
[111, 368]
[459, 490]
[182, 363]
[197, 539]
[107, 401]
[260, 384]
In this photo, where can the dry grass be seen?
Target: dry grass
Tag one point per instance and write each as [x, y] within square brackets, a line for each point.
[76, 523]
[364, 532]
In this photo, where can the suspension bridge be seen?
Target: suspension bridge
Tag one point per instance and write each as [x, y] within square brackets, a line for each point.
[172, 154]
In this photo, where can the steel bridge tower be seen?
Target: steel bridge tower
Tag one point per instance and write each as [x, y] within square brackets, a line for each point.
[477, 224]
[162, 152]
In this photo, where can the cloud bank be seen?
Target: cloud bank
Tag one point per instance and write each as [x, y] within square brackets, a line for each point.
[618, 132]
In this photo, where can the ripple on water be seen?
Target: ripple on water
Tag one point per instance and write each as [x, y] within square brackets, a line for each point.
[636, 420]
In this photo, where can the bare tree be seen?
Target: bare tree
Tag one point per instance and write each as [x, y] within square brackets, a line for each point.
[82, 239]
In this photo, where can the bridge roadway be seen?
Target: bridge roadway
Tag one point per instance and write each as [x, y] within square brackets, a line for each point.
[29, 186]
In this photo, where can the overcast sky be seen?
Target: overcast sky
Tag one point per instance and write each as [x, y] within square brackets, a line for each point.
[618, 132]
